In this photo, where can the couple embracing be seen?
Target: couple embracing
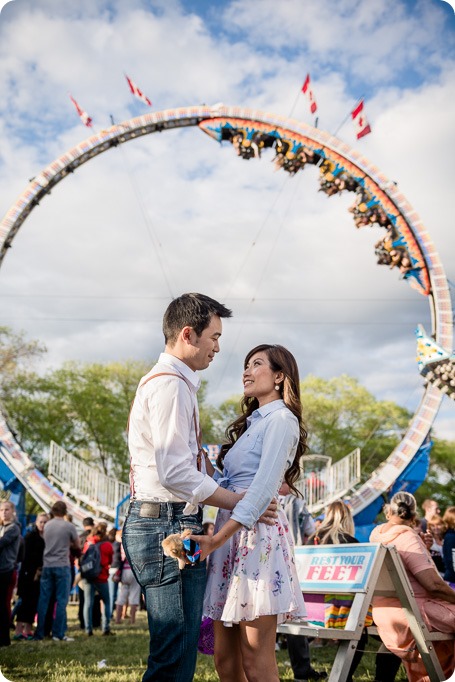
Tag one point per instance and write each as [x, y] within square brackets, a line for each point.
[250, 583]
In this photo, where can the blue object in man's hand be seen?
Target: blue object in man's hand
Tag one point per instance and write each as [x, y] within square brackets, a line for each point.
[192, 549]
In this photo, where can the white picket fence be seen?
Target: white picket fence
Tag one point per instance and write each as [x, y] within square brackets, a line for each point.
[85, 483]
[323, 482]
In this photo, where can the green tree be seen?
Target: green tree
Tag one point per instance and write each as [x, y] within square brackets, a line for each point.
[227, 412]
[440, 482]
[207, 416]
[16, 351]
[83, 407]
[341, 415]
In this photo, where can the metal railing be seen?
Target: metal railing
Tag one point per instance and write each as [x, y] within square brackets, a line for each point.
[84, 483]
[322, 482]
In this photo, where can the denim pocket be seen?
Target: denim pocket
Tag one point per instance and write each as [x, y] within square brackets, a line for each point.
[144, 552]
[190, 523]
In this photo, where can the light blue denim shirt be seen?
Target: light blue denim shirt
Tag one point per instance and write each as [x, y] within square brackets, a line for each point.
[258, 460]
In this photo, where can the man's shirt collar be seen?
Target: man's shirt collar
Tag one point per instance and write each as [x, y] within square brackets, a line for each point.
[180, 366]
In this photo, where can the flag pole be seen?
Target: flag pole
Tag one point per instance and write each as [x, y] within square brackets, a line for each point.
[294, 105]
[347, 117]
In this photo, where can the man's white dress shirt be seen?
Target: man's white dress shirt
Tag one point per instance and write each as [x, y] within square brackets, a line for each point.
[162, 438]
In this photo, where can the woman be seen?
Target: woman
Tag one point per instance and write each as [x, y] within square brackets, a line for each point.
[448, 546]
[100, 584]
[115, 538]
[29, 579]
[337, 528]
[252, 582]
[435, 599]
[437, 528]
[129, 592]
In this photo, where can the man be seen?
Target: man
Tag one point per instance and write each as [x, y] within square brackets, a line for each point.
[87, 524]
[59, 536]
[10, 539]
[430, 509]
[168, 486]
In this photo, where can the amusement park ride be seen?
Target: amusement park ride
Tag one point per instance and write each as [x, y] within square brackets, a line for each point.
[405, 245]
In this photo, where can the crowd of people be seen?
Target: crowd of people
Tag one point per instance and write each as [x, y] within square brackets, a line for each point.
[442, 375]
[38, 572]
[292, 157]
[249, 583]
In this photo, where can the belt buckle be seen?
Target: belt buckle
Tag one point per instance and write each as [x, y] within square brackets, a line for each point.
[150, 510]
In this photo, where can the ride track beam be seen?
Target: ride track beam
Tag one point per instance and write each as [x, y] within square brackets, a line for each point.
[429, 277]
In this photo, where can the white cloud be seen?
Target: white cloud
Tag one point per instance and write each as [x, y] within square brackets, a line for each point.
[97, 261]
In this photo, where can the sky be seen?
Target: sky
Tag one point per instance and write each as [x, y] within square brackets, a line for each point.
[93, 268]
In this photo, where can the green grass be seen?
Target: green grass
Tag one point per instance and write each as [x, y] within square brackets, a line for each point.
[126, 656]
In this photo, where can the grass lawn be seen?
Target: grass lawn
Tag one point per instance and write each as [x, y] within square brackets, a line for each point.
[126, 656]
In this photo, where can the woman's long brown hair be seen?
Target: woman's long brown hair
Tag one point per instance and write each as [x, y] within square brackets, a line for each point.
[280, 360]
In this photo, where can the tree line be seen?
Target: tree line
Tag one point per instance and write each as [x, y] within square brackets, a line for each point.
[84, 408]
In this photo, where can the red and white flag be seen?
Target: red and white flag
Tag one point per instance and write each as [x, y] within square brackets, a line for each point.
[138, 93]
[360, 121]
[306, 89]
[85, 118]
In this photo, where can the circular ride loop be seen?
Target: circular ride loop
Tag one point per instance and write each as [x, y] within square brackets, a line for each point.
[405, 244]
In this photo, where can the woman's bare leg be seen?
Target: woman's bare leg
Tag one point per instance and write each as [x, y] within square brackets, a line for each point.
[228, 655]
[257, 641]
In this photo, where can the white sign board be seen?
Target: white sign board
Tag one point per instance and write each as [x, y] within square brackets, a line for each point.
[335, 568]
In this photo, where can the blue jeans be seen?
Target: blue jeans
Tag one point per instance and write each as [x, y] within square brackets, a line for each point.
[173, 598]
[113, 591]
[58, 578]
[89, 598]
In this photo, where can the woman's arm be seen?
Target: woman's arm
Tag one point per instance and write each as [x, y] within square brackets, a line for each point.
[209, 468]
[279, 444]
[209, 544]
[435, 585]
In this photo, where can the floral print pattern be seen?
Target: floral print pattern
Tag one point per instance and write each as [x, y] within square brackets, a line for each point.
[253, 574]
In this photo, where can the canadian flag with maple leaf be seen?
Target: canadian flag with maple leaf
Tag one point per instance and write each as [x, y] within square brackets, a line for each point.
[138, 93]
[307, 90]
[85, 118]
[360, 120]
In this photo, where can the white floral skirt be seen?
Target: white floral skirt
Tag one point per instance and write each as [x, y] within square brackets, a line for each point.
[253, 574]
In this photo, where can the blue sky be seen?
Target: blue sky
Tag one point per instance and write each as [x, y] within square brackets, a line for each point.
[85, 273]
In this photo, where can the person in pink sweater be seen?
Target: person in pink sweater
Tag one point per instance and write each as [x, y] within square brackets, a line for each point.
[435, 599]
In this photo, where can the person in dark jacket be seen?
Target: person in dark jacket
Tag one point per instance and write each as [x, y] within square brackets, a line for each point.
[88, 524]
[10, 539]
[337, 528]
[28, 585]
[301, 526]
[448, 545]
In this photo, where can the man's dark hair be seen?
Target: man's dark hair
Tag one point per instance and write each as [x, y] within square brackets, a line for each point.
[58, 508]
[191, 310]
[88, 521]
